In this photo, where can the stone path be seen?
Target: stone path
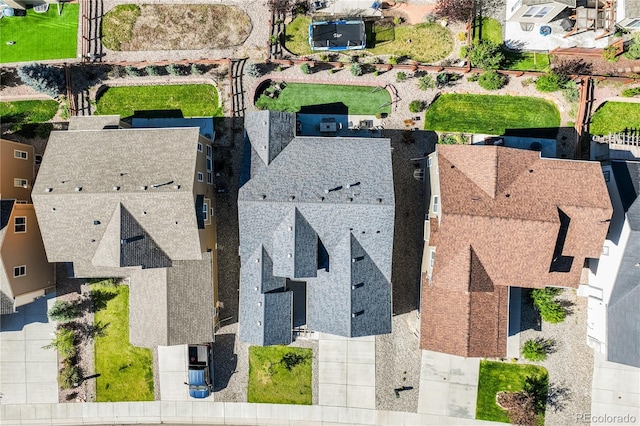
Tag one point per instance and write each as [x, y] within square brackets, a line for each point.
[347, 371]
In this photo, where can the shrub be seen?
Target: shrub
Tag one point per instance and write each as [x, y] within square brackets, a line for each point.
[273, 39]
[416, 106]
[550, 310]
[455, 10]
[610, 54]
[305, 68]
[633, 52]
[401, 76]
[629, 93]
[535, 350]
[445, 78]
[253, 70]
[70, 376]
[356, 69]
[376, 73]
[65, 112]
[426, 82]
[473, 77]
[394, 60]
[43, 78]
[486, 55]
[571, 92]
[63, 311]
[492, 80]
[332, 70]
[324, 57]
[64, 342]
[131, 71]
[550, 82]
[174, 69]
[452, 139]
[538, 388]
[462, 36]
[279, 68]
[397, 20]
[196, 70]
[151, 71]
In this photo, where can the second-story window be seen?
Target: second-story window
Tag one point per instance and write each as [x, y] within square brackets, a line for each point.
[23, 155]
[20, 225]
[20, 183]
[200, 177]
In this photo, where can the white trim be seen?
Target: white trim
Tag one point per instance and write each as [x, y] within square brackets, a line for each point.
[20, 183]
[21, 271]
[22, 155]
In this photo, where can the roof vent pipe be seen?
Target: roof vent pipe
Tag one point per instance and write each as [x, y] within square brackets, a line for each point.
[78, 188]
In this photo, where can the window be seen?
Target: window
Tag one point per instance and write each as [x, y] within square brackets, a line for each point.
[635, 23]
[537, 12]
[209, 165]
[436, 202]
[19, 271]
[199, 147]
[20, 224]
[432, 257]
[20, 183]
[23, 155]
[200, 177]
[213, 212]
[209, 151]
[210, 178]
[205, 212]
[607, 175]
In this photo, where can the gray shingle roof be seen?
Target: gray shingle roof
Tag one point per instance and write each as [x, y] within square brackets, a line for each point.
[269, 132]
[335, 193]
[569, 3]
[632, 8]
[85, 175]
[623, 316]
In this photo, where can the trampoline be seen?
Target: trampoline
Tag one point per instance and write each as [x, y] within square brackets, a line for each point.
[337, 35]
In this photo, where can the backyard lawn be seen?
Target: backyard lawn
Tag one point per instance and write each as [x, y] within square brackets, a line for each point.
[499, 376]
[490, 114]
[359, 100]
[490, 29]
[423, 42]
[126, 372]
[40, 36]
[186, 100]
[614, 117]
[28, 111]
[280, 375]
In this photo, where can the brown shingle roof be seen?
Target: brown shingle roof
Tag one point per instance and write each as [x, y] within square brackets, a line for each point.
[501, 226]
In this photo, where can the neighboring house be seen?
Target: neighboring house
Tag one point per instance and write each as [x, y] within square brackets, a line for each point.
[502, 218]
[25, 4]
[117, 202]
[316, 219]
[614, 280]
[537, 11]
[25, 273]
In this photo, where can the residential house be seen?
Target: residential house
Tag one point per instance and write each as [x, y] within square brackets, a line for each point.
[138, 203]
[613, 287]
[25, 273]
[25, 4]
[316, 219]
[501, 219]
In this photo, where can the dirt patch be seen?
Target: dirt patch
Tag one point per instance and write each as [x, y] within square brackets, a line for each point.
[599, 66]
[188, 27]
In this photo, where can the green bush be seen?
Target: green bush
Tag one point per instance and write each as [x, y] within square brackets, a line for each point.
[401, 76]
[538, 388]
[64, 341]
[376, 73]
[571, 92]
[44, 78]
[550, 310]
[445, 78]
[416, 106]
[633, 52]
[70, 376]
[536, 350]
[305, 68]
[550, 82]
[473, 77]
[629, 93]
[492, 80]
[131, 71]
[253, 70]
[426, 82]
[610, 54]
[64, 311]
[394, 60]
[452, 139]
[196, 70]
[324, 57]
[356, 69]
[151, 71]
[486, 55]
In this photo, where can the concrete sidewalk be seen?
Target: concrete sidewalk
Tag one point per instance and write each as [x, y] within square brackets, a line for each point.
[615, 391]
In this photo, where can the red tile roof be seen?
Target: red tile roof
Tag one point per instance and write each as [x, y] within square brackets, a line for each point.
[500, 226]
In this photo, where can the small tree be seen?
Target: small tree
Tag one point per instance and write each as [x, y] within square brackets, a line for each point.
[544, 301]
[536, 350]
[64, 311]
[486, 55]
[426, 82]
[401, 76]
[394, 60]
[151, 71]
[43, 78]
[356, 69]
[253, 70]
[416, 106]
[550, 82]
[64, 341]
[520, 407]
[305, 68]
[633, 51]
[492, 80]
[70, 375]
[455, 10]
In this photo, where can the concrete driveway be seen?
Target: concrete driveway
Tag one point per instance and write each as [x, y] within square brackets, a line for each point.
[172, 364]
[448, 385]
[615, 392]
[28, 373]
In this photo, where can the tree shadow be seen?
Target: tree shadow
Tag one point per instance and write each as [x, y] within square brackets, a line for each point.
[567, 305]
[100, 297]
[558, 397]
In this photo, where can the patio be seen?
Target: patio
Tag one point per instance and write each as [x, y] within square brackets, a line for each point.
[363, 126]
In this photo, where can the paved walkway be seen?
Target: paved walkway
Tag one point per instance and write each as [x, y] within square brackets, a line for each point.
[28, 373]
[203, 412]
[172, 369]
[615, 391]
[448, 385]
[347, 371]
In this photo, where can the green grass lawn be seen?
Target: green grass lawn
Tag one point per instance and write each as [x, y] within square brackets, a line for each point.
[358, 99]
[490, 114]
[28, 111]
[191, 100]
[490, 29]
[271, 382]
[117, 25]
[40, 36]
[499, 376]
[429, 42]
[526, 61]
[614, 117]
[126, 372]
